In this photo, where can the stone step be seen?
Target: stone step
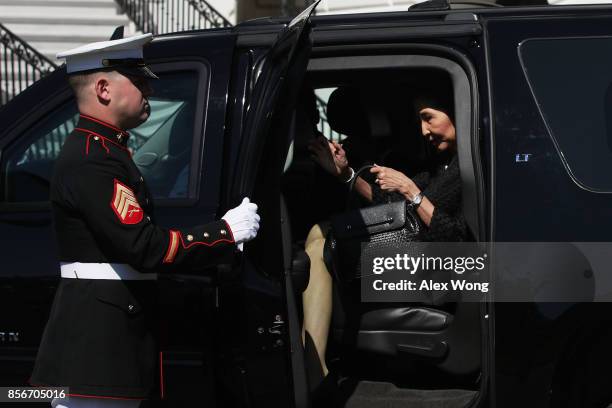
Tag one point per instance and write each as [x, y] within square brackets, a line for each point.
[61, 15]
[49, 48]
[82, 33]
[64, 20]
[52, 26]
[61, 3]
[57, 11]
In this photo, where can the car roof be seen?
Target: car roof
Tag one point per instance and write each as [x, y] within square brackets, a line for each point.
[479, 9]
[466, 9]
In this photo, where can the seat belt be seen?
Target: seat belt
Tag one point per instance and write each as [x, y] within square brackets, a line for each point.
[298, 369]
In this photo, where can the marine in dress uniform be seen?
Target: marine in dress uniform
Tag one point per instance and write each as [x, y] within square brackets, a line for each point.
[100, 340]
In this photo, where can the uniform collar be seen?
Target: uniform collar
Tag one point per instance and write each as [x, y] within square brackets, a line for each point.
[104, 129]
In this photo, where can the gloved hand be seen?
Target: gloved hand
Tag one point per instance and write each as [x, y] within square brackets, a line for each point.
[243, 221]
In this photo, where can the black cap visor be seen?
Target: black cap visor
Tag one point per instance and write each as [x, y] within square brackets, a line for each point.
[130, 66]
[141, 70]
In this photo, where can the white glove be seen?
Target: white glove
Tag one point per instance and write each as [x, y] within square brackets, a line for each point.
[243, 221]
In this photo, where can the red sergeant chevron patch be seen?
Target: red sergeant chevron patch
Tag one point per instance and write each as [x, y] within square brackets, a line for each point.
[125, 205]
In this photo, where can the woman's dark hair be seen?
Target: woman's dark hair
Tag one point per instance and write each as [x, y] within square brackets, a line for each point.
[438, 99]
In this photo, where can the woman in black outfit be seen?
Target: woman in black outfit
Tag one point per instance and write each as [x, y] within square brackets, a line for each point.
[436, 194]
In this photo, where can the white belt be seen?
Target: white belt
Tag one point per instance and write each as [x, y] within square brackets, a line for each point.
[110, 271]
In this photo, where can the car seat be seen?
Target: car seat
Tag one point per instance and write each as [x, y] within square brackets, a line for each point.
[446, 335]
[164, 159]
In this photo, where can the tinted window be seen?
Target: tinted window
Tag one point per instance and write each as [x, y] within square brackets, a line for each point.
[572, 82]
[322, 95]
[161, 146]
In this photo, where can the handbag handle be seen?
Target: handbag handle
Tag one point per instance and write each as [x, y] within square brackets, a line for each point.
[351, 186]
[354, 180]
[357, 174]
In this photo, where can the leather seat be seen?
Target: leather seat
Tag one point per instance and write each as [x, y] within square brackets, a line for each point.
[405, 318]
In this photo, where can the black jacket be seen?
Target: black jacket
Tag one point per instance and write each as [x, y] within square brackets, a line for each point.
[101, 335]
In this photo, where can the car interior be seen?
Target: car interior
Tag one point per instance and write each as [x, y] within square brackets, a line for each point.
[387, 354]
[160, 160]
[162, 145]
[27, 177]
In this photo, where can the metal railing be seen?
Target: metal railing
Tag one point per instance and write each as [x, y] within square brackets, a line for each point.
[169, 16]
[20, 65]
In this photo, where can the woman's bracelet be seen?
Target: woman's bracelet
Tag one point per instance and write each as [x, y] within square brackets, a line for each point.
[351, 177]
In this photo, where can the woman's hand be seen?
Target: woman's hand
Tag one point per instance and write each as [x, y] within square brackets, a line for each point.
[329, 155]
[390, 180]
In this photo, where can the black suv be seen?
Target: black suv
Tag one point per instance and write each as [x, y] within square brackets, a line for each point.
[533, 112]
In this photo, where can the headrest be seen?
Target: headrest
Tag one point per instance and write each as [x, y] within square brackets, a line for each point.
[345, 112]
[356, 112]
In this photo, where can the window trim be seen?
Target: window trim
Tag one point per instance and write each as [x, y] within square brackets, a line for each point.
[64, 96]
[202, 95]
[551, 134]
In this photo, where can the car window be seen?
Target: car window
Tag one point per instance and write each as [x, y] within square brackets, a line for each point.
[161, 146]
[322, 95]
[571, 79]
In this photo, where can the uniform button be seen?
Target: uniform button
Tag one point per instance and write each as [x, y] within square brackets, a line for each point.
[131, 308]
[148, 218]
[141, 179]
[206, 235]
[223, 232]
[189, 237]
[96, 138]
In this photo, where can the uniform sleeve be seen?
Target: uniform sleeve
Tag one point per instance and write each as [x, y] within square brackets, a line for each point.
[127, 235]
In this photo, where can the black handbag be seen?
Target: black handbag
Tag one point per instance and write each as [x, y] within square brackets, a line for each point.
[367, 231]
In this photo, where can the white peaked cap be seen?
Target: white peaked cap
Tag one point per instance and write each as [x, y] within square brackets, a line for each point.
[97, 55]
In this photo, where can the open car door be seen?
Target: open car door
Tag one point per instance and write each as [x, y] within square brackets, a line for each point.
[266, 266]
